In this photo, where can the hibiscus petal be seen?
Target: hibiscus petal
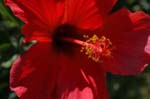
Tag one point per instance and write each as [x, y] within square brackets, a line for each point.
[41, 13]
[87, 14]
[147, 47]
[33, 74]
[129, 34]
[78, 80]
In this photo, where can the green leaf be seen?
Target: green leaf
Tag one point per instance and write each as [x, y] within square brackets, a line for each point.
[8, 63]
[4, 47]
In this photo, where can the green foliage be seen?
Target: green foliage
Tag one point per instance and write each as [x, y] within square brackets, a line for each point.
[120, 87]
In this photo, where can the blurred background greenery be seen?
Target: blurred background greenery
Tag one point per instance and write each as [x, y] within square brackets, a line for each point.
[120, 87]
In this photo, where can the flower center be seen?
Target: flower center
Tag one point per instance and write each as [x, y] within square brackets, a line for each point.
[66, 39]
[64, 31]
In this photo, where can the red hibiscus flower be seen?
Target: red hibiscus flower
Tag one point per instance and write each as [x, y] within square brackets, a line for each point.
[78, 41]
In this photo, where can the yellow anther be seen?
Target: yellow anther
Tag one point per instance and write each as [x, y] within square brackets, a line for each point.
[96, 48]
[93, 39]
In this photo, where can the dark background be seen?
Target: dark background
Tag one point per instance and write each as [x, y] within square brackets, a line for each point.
[120, 87]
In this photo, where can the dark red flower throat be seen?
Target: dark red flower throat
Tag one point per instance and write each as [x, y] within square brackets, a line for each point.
[61, 32]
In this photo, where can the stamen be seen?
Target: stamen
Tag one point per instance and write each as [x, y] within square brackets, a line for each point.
[95, 48]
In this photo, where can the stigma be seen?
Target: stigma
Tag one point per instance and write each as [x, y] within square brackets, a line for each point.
[97, 48]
